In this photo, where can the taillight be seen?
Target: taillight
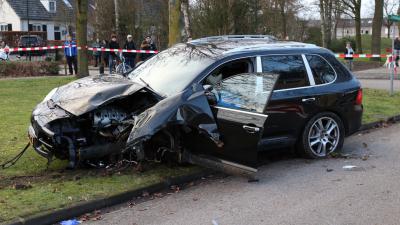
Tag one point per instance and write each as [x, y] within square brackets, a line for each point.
[359, 97]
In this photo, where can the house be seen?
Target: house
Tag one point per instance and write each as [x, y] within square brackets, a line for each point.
[347, 28]
[52, 16]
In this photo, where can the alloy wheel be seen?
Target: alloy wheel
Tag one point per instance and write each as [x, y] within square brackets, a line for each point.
[323, 136]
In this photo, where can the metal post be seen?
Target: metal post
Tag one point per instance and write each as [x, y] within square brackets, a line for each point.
[392, 71]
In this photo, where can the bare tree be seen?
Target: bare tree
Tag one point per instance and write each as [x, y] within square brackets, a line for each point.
[116, 11]
[388, 9]
[352, 8]
[81, 36]
[376, 27]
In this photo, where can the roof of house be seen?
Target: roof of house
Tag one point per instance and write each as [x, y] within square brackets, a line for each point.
[34, 10]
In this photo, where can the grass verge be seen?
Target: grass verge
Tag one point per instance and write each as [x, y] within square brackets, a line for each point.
[54, 188]
[378, 105]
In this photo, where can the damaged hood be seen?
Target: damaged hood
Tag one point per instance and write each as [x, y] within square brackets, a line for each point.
[86, 94]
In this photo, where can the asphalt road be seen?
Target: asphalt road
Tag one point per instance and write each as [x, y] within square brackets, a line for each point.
[290, 191]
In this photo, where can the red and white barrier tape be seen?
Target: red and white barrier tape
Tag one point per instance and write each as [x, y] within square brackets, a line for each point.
[155, 52]
[66, 46]
[362, 56]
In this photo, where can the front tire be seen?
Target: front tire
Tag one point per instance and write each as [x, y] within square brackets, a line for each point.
[322, 135]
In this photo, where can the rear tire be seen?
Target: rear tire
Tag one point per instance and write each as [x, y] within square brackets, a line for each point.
[323, 134]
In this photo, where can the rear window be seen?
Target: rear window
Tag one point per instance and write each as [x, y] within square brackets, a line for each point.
[321, 70]
[291, 70]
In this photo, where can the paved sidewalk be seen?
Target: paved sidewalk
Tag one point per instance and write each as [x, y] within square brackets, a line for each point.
[380, 73]
[379, 84]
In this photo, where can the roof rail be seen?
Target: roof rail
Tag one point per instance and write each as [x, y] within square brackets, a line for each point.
[235, 37]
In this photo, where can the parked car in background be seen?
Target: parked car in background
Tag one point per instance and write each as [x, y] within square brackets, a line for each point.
[26, 41]
[214, 101]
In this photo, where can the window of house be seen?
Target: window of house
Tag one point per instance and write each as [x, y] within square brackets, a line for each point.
[52, 6]
[291, 70]
[367, 32]
[36, 27]
[321, 70]
[3, 27]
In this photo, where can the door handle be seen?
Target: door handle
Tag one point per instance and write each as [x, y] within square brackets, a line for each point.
[251, 129]
[308, 99]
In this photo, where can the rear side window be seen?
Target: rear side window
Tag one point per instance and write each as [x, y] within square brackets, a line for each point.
[321, 70]
[291, 70]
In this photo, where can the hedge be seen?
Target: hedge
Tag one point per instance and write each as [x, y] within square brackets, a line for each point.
[28, 69]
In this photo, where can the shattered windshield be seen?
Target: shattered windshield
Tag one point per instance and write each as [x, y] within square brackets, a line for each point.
[170, 71]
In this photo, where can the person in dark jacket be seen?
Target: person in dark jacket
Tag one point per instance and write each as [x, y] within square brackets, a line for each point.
[130, 56]
[71, 52]
[397, 49]
[97, 53]
[113, 44]
[147, 44]
[349, 56]
[104, 54]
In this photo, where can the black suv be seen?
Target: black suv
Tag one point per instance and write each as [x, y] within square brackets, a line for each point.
[211, 101]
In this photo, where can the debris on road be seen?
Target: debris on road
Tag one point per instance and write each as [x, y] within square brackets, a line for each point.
[329, 170]
[352, 168]
[70, 222]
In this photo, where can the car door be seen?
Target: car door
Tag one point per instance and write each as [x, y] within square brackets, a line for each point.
[292, 101]
[241, 100]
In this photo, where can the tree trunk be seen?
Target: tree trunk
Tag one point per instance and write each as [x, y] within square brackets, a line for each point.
[282, 5]
[376, 28]
[116, 10]
[175, 35]
[357, 20]
[186, 19]
[388, 28]
[323, 23]
[81, 36]
[398, 24]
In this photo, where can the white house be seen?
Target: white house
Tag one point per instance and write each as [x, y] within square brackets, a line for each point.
[53, 16]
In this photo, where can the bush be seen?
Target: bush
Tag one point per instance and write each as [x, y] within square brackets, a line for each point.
[28, 69]
[339, 45]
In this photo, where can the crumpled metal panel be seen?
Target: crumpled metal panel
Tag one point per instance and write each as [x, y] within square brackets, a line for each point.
[86, 94]
[189, 108]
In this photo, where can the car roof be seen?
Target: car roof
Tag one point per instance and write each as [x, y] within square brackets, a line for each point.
[238, 44]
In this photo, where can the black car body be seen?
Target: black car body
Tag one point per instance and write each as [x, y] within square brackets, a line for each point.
[215, 101]
[31, 41]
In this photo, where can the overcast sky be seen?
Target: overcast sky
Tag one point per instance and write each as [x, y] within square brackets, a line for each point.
[311, 10]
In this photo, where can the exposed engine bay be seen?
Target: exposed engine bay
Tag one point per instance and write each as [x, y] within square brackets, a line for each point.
[137, 125]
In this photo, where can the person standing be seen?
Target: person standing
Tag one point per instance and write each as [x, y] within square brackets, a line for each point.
[71, 52]
[104, 54]
[147, 44]
[130, 56]
[396, 50]
[97, 53]
[4, 51]
[113, 44]
[349, 56]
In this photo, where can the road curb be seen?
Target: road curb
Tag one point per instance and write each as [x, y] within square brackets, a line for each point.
[54, 216]
[378, 124]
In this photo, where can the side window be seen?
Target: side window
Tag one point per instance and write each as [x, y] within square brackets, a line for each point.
[229, 69]
[322, 72]
[248, 92]
[291, 70]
